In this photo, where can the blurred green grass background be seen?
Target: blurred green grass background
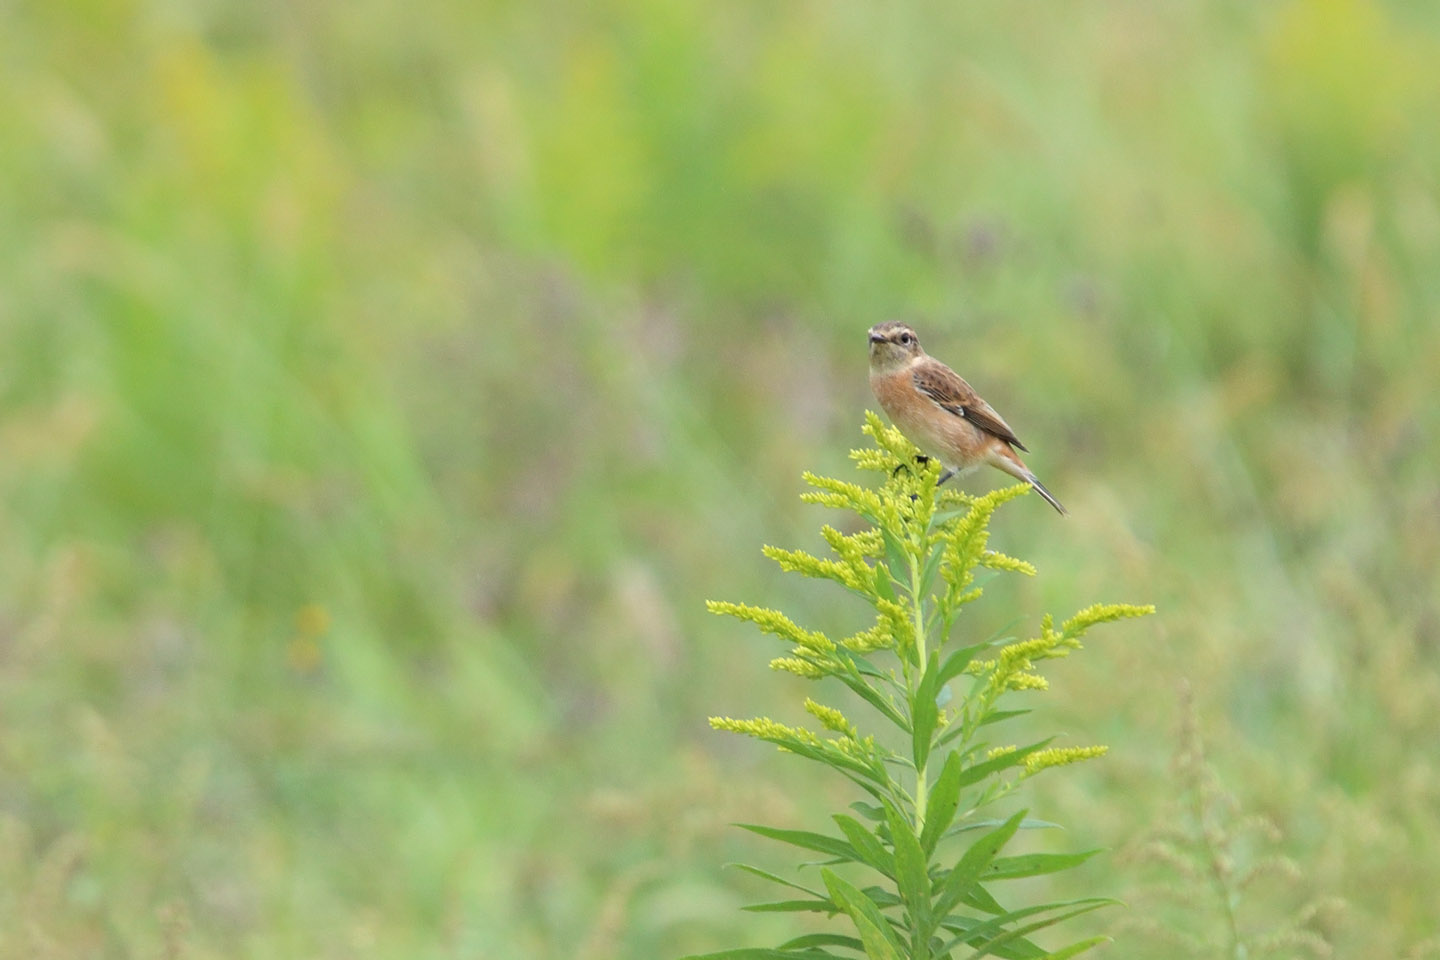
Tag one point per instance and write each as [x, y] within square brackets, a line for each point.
[384, 388]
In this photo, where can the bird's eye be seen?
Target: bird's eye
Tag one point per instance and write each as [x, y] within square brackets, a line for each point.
[906, 339]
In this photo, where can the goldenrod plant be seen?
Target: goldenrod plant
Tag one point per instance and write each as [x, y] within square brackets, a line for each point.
[936, 815]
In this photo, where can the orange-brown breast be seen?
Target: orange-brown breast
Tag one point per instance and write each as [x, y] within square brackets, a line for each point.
[952, 439]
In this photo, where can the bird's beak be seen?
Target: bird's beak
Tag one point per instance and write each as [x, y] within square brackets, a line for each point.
[875, 337]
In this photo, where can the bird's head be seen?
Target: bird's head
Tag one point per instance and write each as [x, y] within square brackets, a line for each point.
[893, 346]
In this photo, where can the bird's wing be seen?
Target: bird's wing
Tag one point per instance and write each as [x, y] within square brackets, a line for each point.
[948, 389]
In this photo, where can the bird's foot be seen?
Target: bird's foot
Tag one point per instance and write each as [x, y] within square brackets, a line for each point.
[920, 460]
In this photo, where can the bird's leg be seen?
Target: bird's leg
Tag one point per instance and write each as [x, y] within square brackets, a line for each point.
[945, 476]
[920, 459]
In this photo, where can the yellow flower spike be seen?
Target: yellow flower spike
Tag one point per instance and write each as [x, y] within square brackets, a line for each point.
[831, 492]
[876, 638]
[801, 668]
[897, 622]
[830, 718]
[872, 459]
[999, 561]
[1102, 613]
[798, 561]
[1061, 756]
[775, 623]
[763, 728]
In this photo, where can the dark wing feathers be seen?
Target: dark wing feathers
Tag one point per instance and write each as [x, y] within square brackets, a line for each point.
[949, 390]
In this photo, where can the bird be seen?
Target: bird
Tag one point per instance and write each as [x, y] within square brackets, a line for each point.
[939, 412]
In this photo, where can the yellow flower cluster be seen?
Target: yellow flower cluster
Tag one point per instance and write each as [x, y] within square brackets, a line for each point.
[830, 718]
[775, 623]
[1060, 756]
[763, 728]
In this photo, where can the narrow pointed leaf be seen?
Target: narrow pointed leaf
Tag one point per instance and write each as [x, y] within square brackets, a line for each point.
[944, 801]
[868, 810]
[758, 953]
[881, 897]
[878, 939]
[943, 517]
[956, 663]
[1010, 936]
[911, 876]
[871, 851]
[767, 875]
[806, 840]
[884, 585]
[1029, 823]
[1001, 715]
[982, 899]
[1034, 864]
[873, 697]
[926, 713]
[1016, 950]
[932, 567]
[1075, 949]
[966, 873]
[897, 552]
[977, 932]
[995, 764]
[822, 940]
[830, 758]
[792, 906]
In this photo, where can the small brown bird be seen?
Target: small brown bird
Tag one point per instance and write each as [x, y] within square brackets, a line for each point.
[939, 411]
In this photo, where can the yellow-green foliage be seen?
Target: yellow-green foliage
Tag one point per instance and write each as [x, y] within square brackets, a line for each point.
[916, 566]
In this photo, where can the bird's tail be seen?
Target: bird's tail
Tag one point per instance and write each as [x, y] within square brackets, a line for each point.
[1012, 465]
[1049, 497]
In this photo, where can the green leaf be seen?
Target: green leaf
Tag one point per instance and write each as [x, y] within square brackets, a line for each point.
[995, 764]
[806, 840]
[767, 875]
[1029, 823]
[932, 567]
[925, 712]
[1021, 949]
[943, 802]
[912, 877]
[757, 953]
[884, 583]
[822, 940]
[869, 694]
[897, 553]
[1076, 949]
[942, 517]
[966, 873]
[792, 906]
[871, 851]
[878, 939]
[997, 716]
[977, 932]
[881, 897]
[981, 899]
[868, 810]
[956, 663]
[1011, 936]
[1035, 864]
[830, 757]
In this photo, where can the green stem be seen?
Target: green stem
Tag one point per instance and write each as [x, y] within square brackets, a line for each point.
[921, 786]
